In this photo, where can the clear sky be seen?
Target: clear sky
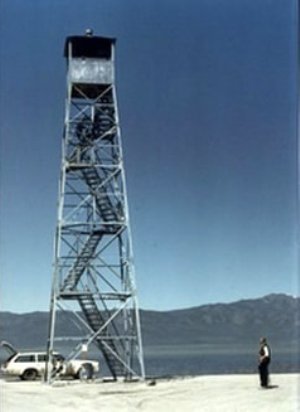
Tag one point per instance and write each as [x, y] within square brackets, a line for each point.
[207, 100]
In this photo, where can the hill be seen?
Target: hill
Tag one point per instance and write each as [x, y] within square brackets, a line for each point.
[276, 316]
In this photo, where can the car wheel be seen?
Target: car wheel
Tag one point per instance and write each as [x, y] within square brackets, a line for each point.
[29, 375]
[85, 372]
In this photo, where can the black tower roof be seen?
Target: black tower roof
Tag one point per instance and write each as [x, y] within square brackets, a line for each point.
[89, 46]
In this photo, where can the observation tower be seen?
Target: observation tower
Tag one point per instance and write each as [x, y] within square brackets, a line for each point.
[93, 287]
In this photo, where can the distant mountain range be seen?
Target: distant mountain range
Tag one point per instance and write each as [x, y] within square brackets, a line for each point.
[276, 316]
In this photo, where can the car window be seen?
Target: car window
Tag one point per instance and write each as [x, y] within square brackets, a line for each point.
[25, 358]
[42, 358]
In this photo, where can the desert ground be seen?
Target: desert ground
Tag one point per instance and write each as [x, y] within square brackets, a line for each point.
[232, 393]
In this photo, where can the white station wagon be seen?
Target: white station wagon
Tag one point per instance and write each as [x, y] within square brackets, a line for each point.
[31, 365]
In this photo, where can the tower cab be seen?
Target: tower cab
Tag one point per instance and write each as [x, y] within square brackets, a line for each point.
[90, 64]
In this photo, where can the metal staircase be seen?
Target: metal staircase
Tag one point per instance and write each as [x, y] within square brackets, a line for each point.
[82, 261]
[102, 126]
[97, 320]
[104, 205]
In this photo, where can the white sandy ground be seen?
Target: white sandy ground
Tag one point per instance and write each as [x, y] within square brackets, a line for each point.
[232, 393]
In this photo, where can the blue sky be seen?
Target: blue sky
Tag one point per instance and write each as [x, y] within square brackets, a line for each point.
[207, 101]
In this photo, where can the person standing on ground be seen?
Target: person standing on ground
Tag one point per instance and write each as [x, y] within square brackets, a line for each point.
[264, 361]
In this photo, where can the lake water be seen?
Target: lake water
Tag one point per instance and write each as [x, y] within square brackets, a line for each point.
[196, 364]
[189, 360]
[208, 360]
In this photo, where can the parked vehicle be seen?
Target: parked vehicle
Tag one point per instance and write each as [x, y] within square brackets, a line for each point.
[31, 365]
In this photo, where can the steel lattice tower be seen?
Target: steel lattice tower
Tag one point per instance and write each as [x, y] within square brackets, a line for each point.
[93, 281]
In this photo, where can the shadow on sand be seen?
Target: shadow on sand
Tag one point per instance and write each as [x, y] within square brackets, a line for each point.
[270, 387]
